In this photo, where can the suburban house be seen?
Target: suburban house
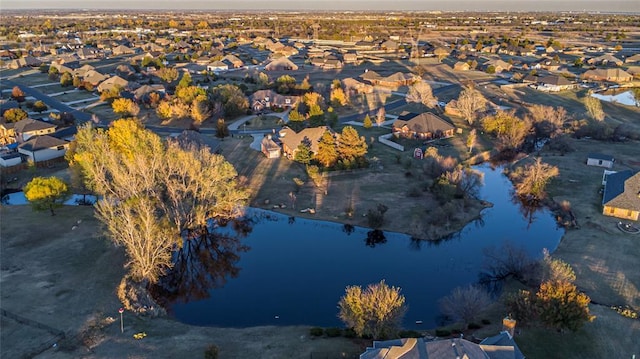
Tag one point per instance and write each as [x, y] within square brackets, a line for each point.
[621, 196]
[281, 64]
[291, 140]
[93, 77]
[498, 65]
[424, 126]
[605, 60]
[10, 158]
[353, 86]
[614, 75]
[501, 346]
[269, 147]
[122, 50]
[600, 160]
[217, 66]
[232, 61]
[632, 59]
[27, 128]
[554, 83]
[267, 99]
[113, 82]
[43, 148]
[395, 80]
[461, 66]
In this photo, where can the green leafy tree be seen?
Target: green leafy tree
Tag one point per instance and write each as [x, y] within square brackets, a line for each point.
[285, 83]
[40, 106]
[15, 115]
[561, 306]
[66, 79]
[303, 153]
[46, 193]
[366, 123]
[491, 69]
[351, 146]
[233, 100]
[185, 81]
[327, 154]
[375, 311]
[222, 130]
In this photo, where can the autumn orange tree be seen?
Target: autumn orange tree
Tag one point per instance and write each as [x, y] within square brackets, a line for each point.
[561, 306]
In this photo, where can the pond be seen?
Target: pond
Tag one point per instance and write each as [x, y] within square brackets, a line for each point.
[624, 97]
[290, 271]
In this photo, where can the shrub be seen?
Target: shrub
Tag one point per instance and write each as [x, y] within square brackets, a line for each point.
[211, 352]
[333, 332]
[442, 333]
[474, 326]
[410, 334]
[349, 333]
[316, 332]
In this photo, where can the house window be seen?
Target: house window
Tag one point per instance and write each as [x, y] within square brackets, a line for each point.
[60, 148]
[629, 213]
[612, 210]
[599, 162]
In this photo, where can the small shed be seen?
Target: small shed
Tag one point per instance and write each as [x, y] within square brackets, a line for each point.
[600, 160]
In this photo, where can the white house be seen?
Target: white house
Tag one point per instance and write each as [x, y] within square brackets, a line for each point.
[9, 159]
[600, 160]
[43, 148]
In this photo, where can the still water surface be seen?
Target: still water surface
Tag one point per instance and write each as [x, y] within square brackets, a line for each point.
[295, 270]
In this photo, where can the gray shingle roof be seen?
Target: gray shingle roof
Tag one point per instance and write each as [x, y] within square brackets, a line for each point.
[622, 190]
[41, 142]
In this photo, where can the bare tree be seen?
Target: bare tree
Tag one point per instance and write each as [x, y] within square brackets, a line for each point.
[421, 92]
[381, 116]
[594, 108]
[532, 179]
[469, 103]
[547, 121]
[464, 303]
[472, 139]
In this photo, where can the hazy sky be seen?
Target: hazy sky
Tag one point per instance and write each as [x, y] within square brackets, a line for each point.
[474, 5]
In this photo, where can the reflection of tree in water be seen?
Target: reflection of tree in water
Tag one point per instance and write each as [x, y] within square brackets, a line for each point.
[416, 243]
[204, 262]
[375, 237]
[528, 208]
[348, 228]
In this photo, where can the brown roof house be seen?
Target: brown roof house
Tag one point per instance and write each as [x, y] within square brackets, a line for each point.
[424, 126]
[28, 127]
[269, 147]
[614, 75]
[267, 99]
[621, 196]
[43, 148]
[281, 64]
[113, 82]
[461, 66]
[554, 83]
[291, 140]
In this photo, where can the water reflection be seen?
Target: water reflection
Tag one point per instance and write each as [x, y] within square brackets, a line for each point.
[206, 261]
[348, 228]
[375, 237]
